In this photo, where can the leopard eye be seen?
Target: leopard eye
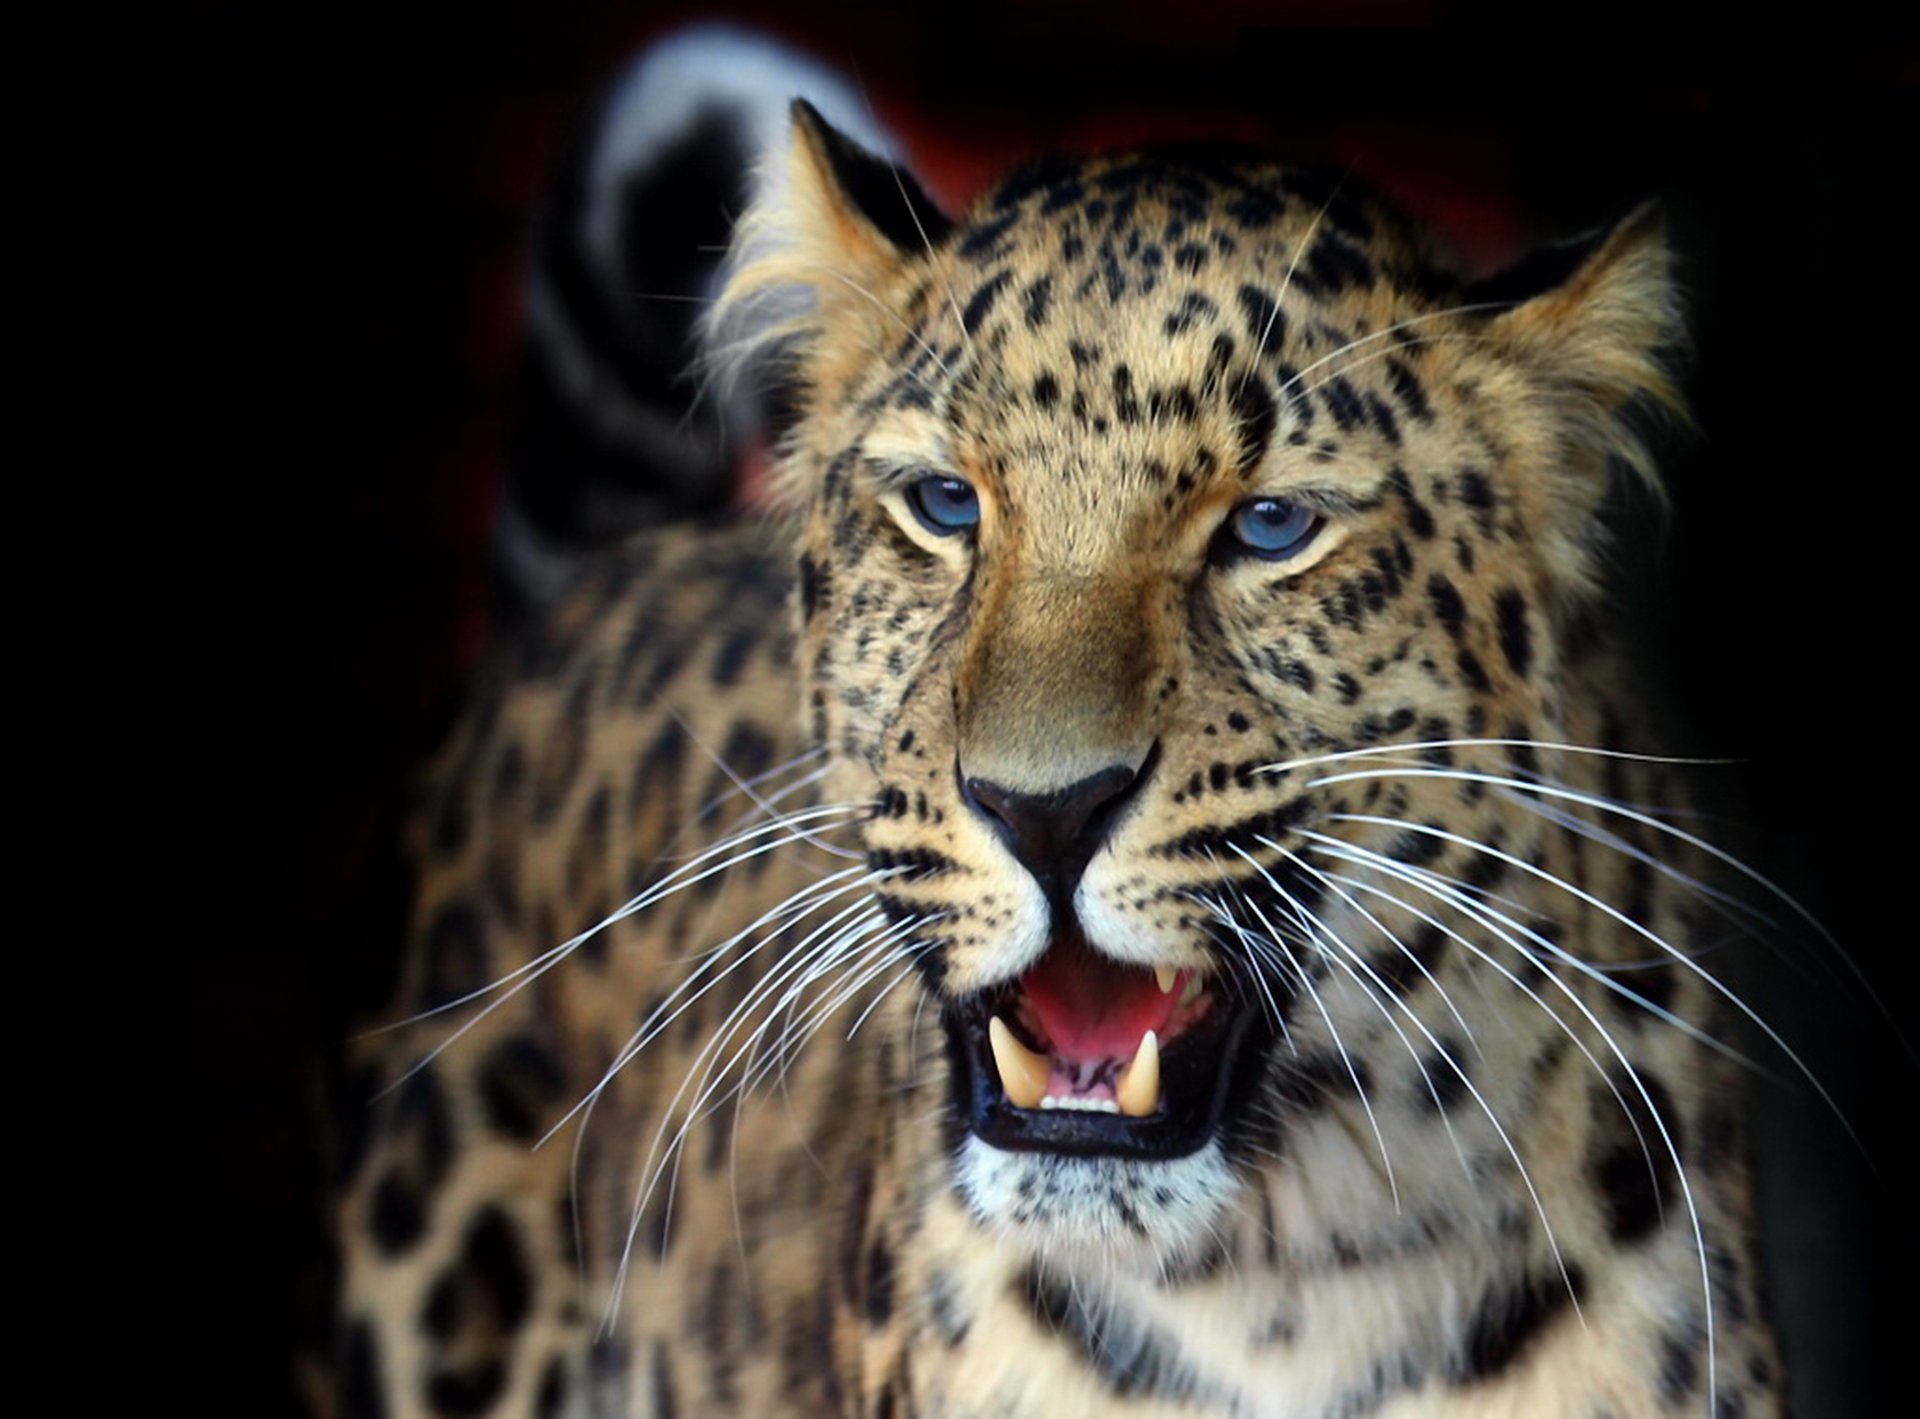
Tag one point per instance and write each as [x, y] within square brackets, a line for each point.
[944, 505]
[1271, 529]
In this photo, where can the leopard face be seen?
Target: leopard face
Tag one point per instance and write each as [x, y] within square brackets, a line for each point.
[1140, 502]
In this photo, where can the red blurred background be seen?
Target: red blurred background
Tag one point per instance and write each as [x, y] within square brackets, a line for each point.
[361, 179]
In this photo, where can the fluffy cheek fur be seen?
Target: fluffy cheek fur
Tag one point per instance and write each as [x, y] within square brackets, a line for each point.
[1134, 1215]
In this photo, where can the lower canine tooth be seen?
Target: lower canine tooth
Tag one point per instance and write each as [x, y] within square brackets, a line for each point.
[1138, 1089]
[1023, 1074]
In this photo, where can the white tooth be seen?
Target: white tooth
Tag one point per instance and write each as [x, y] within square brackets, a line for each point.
[1165, 976]
[1081, 1105]
[1138, 1090]
[1023, 1074]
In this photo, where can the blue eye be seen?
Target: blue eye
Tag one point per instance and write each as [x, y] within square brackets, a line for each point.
[944, 505]
[1272, 529]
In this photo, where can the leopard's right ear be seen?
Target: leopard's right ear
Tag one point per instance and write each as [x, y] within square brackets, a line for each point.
[869, 211]
[829, 225]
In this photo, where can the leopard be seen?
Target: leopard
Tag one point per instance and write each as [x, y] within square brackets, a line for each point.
[1140, 881]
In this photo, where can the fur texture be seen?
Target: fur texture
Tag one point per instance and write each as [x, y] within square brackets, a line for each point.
[1384, 802]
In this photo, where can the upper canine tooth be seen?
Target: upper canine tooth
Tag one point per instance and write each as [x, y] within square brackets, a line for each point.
[1165, 976]
[1138, 1090]
[1023, 1074]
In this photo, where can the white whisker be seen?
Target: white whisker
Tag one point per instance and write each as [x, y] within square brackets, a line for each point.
[521, 977]
[746, 787]
[1720, 855]
[1487, 917]
[1293, 265]
[1658, 941]
[663, 1152]
[1377, 925]
[1400, 872]
[1420, 745]
[1476, 307]
[1333, 1030]
[795, 908]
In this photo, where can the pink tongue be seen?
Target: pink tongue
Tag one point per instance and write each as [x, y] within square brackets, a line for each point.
[1095, 1009]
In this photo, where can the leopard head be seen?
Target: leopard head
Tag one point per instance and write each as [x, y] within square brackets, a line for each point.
[1131, 500]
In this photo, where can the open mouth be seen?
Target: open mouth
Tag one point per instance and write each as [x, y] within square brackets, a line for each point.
[1084, 1055]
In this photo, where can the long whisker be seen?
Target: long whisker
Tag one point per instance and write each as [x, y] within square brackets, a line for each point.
[1326, 1016]
[755, 814]
[747, 788]
[1693, 840]
[1385, 331]
[707, 809]
[1658, 941]
[841, 953]
[1420, 745]
[797, 973]
[1379, 926]
[520, 978]
[1512, 1151]
[663, 1151]
[1588, 968]
[1293, 265]
[800, 1029]
[1725, 903]
[1373, 861]
[897, 319]
[900, 185]
[1494, 922]
[795, 908]
[1259, 977]
[660, 890]
[1274, 1011]
[1335, 949]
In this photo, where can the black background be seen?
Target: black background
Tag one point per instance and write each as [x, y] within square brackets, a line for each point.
[359, 185]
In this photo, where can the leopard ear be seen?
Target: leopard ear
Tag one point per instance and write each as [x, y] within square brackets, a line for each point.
[1591, 327]
[871, 211]
[829, 224]
[1595, 312]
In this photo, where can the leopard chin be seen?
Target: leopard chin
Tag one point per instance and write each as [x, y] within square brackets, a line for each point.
[1146, 1216]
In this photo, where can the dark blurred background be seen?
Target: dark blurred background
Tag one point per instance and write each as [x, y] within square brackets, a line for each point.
[361, 179]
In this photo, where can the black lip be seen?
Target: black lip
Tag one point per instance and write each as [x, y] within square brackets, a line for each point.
[1206, 1073]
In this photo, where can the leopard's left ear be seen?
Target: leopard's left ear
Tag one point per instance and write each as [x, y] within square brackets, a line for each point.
[1591, 327]
[1595, 318]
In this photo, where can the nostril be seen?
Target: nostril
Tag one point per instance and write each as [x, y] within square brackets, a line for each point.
[983, 806]
[1050, 819]
[1101, 816]
[1054, 835]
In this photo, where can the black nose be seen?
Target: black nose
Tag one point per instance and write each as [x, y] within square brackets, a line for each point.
[1055, 835]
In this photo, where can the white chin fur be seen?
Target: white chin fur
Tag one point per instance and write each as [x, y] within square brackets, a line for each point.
[1123, 1211]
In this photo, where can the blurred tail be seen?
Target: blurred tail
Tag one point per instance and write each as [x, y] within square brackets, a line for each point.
[611, 433]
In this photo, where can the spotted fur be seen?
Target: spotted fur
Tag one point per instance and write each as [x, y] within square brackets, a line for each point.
[1489, 1159]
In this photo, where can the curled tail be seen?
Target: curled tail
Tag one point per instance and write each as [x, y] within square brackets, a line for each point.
[611, 431]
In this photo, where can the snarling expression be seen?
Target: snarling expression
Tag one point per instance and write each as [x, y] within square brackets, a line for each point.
[1137, 498]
